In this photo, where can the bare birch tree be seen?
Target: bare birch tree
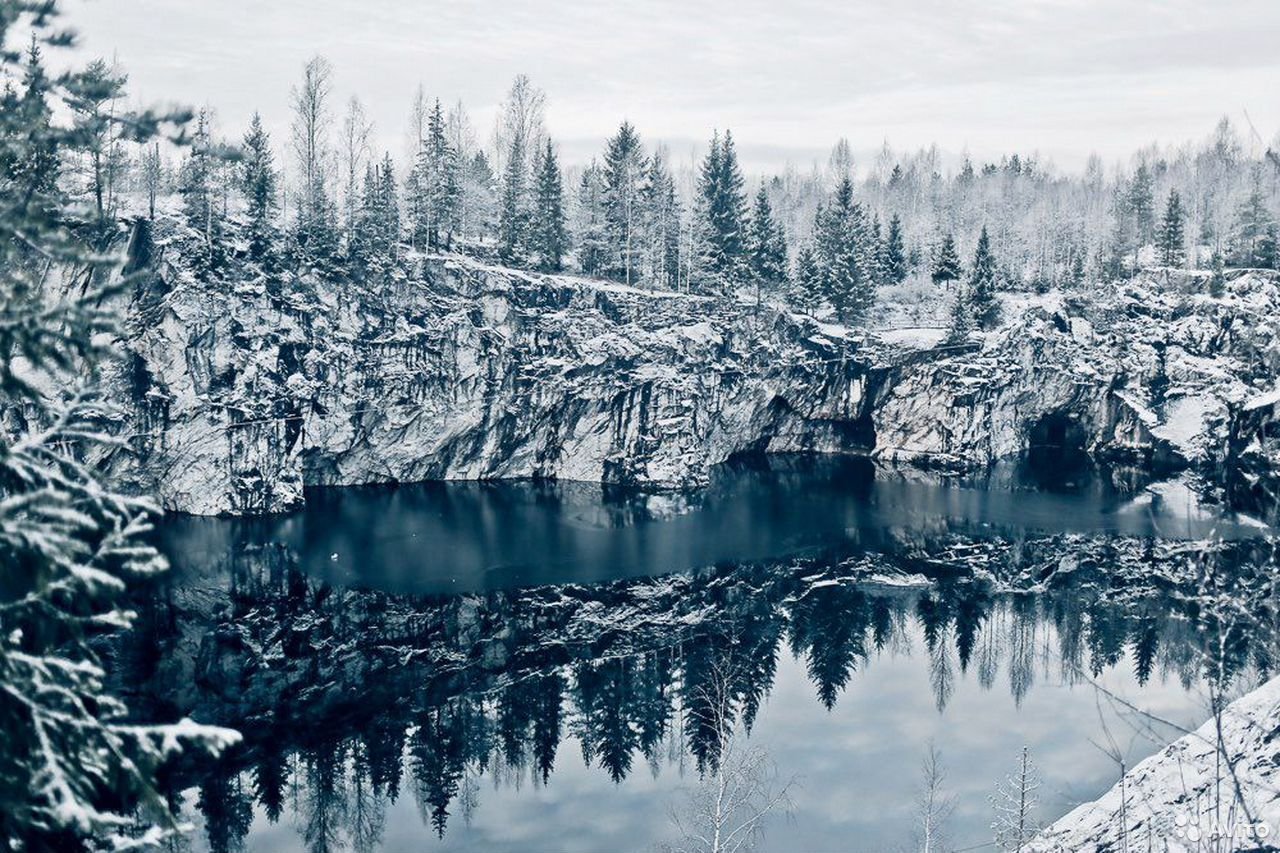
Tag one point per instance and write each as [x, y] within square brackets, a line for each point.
[726, 811]
[934, 805]
[1015, 802]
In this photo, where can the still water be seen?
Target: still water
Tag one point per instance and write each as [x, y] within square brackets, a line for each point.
[526, 666]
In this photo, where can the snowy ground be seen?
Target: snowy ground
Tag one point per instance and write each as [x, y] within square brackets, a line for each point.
[1215, 789]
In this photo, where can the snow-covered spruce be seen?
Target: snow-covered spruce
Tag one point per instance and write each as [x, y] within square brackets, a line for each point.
[454, 369]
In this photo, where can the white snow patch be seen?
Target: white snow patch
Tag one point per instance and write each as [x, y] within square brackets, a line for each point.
[1185, 786]
[923, 337]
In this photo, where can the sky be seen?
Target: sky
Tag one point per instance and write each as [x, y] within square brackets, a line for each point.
[1060, 77]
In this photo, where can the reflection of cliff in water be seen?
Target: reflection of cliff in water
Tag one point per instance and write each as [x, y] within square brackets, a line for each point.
[360, 697]
[451, 537]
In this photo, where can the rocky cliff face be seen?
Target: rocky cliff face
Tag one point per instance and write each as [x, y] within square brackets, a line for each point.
[451, 369]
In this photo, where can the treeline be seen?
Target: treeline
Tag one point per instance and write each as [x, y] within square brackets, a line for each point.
[823, 240]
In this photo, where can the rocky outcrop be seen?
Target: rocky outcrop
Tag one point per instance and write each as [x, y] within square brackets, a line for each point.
[452, 369]
[1158, 372]
[463, 371]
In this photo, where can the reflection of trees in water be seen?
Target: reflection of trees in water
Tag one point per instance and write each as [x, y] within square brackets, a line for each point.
[355, 698]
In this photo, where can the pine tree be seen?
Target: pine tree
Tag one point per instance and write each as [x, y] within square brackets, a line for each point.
[199, 204]
[258, 183]
[97, 153]
[549, 236]
[1170, 242]
[75, 770]
[151, 169]
[946, 266]
[895, 253]
[625, 169]
[766, 243]
[982, 284]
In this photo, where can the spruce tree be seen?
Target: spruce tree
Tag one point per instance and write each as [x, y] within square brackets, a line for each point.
[1170, 242]
[982, 284]
[550, 238]
[1122, 235]
[876, 262]
[1266, 254]
[76, 770]
[766, 243]
[721, 202]
[895, 253]
[1253, 220]
[840, 237]
[1218, 277]
[436, 180]
[1142, 206]
[480, 188]
[360, 249]
[513, 216]
[806, 293]
[590, 227]
[624, 173]
[661, 224]
[387, 211]
[946, 266]
[199, 204]
[258, 183]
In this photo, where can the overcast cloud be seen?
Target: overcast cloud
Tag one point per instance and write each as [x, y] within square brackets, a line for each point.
[1062, 77]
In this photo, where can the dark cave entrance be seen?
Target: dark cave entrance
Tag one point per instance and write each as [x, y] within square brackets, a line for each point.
[1056, 431]
[1056, 457]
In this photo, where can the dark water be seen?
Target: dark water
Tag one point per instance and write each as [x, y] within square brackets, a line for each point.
[455, 537]
[531, 666]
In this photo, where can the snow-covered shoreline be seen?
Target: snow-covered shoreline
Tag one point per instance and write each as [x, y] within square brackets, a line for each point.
[1217, 788]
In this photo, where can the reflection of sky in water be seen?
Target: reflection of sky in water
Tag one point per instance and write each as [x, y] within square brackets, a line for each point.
[858, 765]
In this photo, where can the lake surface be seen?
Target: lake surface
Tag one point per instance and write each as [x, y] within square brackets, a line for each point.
[531, 666]
[457, 537]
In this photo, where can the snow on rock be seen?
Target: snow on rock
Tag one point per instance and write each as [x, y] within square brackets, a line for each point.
[1147, 372]
[1183, 799]
[455, 369]
[466, 371]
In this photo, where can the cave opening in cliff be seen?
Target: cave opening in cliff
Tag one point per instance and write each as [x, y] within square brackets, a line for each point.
[1056, 456]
